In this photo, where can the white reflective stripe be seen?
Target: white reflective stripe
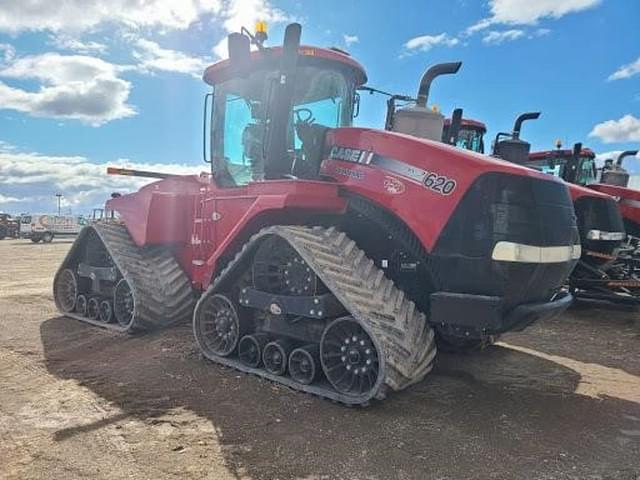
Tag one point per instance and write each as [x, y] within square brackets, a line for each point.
[602, 235]
[518, 252]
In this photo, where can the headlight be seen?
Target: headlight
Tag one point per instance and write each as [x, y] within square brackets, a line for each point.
[518, 252]
[602, 235]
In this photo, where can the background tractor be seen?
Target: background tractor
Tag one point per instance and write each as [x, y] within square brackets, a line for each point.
[9, 226]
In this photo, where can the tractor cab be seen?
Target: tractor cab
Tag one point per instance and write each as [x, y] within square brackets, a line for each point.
[576, 166]
[272, 108]
[470, 134]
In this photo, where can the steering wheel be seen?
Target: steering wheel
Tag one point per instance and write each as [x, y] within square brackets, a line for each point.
[304, 115]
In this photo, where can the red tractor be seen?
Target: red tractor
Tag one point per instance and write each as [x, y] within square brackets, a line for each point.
[614, 181]
[318, 255]
[607, 270]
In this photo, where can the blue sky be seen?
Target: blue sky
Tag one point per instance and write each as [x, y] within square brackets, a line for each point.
[103, 82]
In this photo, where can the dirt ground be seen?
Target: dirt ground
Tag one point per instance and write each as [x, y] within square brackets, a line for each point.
[558, 401]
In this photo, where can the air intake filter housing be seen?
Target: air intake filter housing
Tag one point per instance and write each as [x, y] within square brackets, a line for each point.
[513, 150]
[420, 122]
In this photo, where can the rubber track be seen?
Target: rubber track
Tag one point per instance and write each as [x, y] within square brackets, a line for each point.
[161, 290]
[398, 329]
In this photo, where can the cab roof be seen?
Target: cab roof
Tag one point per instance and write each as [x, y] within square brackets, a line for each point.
[467, 122]
[221, 71]
[560, 153]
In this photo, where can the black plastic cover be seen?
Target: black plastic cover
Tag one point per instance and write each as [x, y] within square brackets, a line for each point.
[505, 207]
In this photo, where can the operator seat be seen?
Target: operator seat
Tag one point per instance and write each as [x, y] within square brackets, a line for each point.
[312, 137]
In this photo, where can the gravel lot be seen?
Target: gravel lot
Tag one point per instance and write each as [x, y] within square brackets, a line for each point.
[558, 401]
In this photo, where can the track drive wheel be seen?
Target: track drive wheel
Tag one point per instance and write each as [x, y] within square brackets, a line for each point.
[217, 326]
[65, 290]
[349, 358]
[277, 268]
[123, 303]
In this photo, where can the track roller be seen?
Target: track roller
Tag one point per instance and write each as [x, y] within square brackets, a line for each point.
[275, 355]
[304, 364]
[349, 357]
[93, 308]
[250, 349]
[218, 326]
[105, 312]
[81, 305]
[66, 291]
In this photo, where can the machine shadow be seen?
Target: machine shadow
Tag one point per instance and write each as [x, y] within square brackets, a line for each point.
[267, 431]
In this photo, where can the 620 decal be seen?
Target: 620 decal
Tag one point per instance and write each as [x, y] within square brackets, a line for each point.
[439, 183]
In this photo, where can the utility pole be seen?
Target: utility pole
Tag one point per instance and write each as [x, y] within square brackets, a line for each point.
[59, 195]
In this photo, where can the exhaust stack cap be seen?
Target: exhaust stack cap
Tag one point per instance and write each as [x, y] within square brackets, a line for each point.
[430, 75]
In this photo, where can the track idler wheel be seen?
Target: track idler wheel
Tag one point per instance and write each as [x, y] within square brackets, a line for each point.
[65, 290]
[304, 364]
[123, 303]
[93, 308]
[349, 357]
[250, 349]
[217, 326]
[275, 355]
[105, 312]
[81, 305]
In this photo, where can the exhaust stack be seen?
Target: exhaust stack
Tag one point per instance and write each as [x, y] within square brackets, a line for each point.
[430, 75]
[627, 153]
[418, 120]
[509, 147]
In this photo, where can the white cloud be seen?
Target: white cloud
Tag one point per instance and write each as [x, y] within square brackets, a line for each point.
[528, 12]
[65, 42]
[350, 39]
[245, 13]
[8, 52]
[626, 71]
[7, 199]
[72, 87]
[424, 43]
[153, 57]
[496, 38]
[82, 15]
[29, 181]
[625, 129]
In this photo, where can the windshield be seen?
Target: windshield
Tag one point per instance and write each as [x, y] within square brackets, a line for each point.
[322, 97]
[25, 219]
[471, 139]
[557, 167]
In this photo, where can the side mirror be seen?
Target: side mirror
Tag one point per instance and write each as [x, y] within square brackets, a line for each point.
[356, 105]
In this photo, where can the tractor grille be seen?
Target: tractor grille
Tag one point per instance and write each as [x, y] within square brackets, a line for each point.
[510, 208]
